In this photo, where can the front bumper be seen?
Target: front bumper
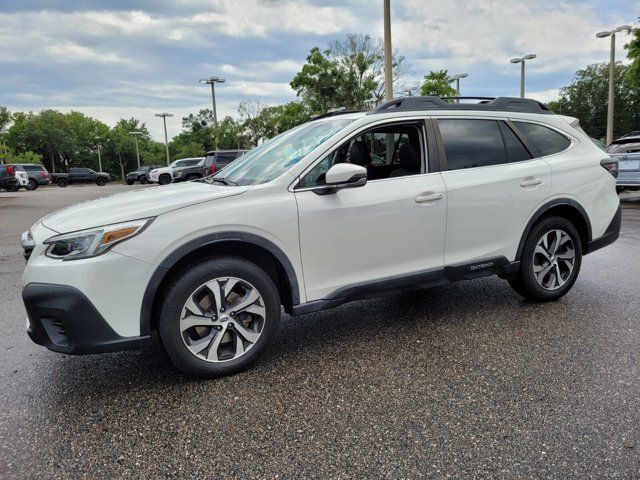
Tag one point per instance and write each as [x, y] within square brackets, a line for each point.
[62, 319]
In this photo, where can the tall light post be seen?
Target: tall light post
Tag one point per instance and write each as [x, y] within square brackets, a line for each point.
[164, 116]
[4, 145]
[612, 75]
[388, 73]
[521, 61]
[136, 134]
[99, 157]
[457, 80]
[212, 81]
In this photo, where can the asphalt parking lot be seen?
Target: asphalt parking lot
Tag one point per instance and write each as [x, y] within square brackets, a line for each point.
[467, 380]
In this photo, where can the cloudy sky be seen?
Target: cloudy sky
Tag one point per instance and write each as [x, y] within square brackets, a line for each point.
[117, 58]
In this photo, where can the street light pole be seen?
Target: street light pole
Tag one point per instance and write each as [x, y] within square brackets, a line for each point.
[388, 73]
[164, 116]
[612, 75]
[136, 134]
[99, 159]
[457, 79]
[212, 81]
[521, 61]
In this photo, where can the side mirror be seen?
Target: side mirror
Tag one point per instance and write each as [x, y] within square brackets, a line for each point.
[342, 175]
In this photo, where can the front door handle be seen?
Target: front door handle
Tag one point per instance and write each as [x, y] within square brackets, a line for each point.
[427, 197]
[530, 182]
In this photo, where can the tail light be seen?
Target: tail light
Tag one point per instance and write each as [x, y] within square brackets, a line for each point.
[10, 170]
[610, 165]
[44, 175]
[212, 168]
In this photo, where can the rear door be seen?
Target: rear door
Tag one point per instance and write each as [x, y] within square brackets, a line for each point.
[493, 187]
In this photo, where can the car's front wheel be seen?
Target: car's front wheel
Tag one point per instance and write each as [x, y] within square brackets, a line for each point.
[101, 181]
[219, 316]
[164, 179]
[143, 179]
[550, 262]
[32, 184]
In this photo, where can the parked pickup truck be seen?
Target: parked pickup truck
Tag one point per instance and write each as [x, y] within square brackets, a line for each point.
[80, 175]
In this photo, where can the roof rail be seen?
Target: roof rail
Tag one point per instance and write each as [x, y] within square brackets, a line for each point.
[333, 113]
[501, 104]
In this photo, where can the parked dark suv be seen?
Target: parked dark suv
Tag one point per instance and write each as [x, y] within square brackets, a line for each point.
[38, 175]
[216, 160]
[8, 180]
[140, 174]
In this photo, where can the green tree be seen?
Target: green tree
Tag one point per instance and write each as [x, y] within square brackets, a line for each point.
[586, 99]
[349, 74]
[633, 53]
[437, 83]
[120, 146]
[5, 116]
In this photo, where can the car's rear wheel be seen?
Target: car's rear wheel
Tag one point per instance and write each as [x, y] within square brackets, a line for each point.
[164, 179]
[143, 179]
[219, 316]
[32, 184]
[130, 182]
[63, 182]
[191, 177]
[101, 181]
[550, 262]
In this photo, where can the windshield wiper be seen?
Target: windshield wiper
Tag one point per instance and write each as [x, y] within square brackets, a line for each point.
[223, 181]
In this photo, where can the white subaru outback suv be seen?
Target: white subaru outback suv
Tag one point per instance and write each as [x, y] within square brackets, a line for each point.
[415, 193]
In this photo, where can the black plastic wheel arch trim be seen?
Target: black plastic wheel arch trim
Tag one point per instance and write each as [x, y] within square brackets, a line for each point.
[610, 235]
[189, 247]
[544, 209]
[422, 279]
[64, 320]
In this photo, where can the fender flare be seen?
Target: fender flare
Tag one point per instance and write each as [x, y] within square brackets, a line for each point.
[544, 209]
[174, 257]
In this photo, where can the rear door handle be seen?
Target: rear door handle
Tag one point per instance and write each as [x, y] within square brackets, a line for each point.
[429, 197]
[530, 182]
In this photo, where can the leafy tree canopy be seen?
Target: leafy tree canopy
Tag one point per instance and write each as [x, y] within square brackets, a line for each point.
[438, 84]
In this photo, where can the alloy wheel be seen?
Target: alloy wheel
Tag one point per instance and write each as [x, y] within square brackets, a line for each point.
[222, 319]
[553, 259]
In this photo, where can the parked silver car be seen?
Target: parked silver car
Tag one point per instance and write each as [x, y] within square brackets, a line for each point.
[627, 151]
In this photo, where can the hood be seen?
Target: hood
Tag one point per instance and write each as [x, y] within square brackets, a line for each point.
[148, 202]
[161, 169]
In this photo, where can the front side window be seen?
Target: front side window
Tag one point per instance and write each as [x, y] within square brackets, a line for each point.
[274, 157]
[470, 143]
[544, 140]
[386, 152]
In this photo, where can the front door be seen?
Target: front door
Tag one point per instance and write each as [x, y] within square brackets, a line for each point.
[392, 226]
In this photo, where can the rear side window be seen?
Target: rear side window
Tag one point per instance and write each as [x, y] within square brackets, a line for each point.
[516, 151]
[544, 140]
[226, 158]
[470, 143]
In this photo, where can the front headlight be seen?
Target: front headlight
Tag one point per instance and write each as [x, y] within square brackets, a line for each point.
[94, 241]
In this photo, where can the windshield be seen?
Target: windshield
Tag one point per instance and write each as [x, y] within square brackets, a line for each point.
[274, 157]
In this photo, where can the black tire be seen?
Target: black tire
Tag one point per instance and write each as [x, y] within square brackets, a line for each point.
[525, 282]
[130, 182]
[143, 179]
[185, 284]
[13, 188]
[164, 179]
[101, 181]
[191, 177]
[33, 185]
[63, 182]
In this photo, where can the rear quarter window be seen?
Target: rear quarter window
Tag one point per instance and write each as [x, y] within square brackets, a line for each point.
[545, 141]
